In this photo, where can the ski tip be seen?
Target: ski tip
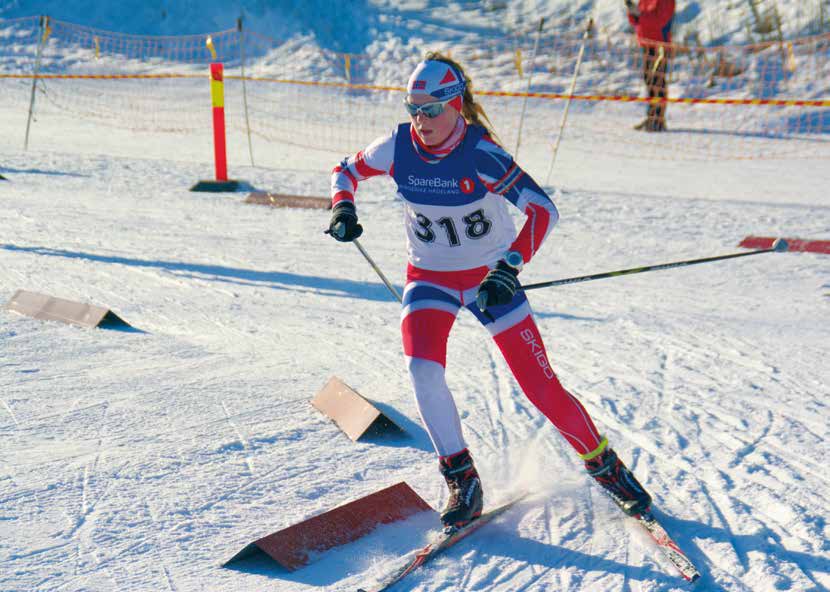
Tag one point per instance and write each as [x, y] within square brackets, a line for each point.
[780, 245]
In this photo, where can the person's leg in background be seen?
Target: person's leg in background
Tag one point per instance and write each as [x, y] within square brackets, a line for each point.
[649, 55]
[661, 87]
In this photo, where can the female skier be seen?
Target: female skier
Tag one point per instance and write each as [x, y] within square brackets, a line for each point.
[455, 181]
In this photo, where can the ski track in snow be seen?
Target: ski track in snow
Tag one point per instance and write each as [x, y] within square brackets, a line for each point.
[179, 439]
[140, 460]
[194, 435]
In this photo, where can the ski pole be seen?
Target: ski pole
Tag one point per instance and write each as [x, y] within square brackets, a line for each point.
[377, 270]
[779, 246]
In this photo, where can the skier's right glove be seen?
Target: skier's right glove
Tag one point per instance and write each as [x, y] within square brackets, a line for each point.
[344, 226]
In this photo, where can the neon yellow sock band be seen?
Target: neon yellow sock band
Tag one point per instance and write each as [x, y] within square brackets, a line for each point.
[596, 451]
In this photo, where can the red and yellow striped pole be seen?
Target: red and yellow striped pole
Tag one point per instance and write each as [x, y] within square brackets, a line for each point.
[220, 157]
[217, 95]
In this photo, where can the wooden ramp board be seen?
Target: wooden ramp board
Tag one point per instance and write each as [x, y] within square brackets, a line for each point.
[49, 308]
[279, 200]
[295, 546]
[352, 413]
[793, 244]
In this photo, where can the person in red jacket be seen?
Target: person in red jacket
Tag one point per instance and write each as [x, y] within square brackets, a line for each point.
[652, 20]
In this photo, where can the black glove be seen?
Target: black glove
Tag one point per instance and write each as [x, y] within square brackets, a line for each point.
[498, 287]
[343, 225]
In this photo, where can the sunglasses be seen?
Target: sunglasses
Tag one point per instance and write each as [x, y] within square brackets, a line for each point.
[430, 110]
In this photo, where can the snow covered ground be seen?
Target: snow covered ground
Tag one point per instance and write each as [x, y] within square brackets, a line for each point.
[140, 460]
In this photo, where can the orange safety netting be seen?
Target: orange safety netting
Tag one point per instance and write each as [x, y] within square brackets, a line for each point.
[757, 101]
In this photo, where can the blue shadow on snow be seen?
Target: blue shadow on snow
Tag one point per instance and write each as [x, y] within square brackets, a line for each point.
[496, 541]
[6, 169]
[564, 316]
[800, 122]
[273, 279]
[500, 541]
[766, 540]
[410, 435]
[121, 328]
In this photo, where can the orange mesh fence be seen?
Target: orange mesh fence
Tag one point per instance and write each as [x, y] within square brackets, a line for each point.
[724, 102]
[757, 101]
[77, 48]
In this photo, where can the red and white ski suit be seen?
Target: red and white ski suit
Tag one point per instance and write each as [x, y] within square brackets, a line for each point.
[458, 227]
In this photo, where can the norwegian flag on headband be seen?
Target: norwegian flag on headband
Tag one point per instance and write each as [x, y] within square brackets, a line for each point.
[437, 79]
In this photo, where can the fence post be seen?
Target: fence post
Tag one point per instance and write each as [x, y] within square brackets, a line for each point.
[217, 95]
[527, 92]
[244, 88]
[45, 30]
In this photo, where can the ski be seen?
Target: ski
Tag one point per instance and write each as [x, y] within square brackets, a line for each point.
[668, 548]
[443, 541]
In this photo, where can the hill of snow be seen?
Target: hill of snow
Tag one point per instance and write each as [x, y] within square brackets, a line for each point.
[352, 25]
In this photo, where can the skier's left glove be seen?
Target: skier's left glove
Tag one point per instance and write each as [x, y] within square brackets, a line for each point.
[498, 287]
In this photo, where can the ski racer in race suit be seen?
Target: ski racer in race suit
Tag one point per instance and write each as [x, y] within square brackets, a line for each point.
[456, 183]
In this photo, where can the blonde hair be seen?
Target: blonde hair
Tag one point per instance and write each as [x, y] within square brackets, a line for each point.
[471, 110]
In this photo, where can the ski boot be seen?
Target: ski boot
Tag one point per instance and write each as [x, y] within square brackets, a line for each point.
[466, 498]
[657, 125]
[619, 482]
[646, 124]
